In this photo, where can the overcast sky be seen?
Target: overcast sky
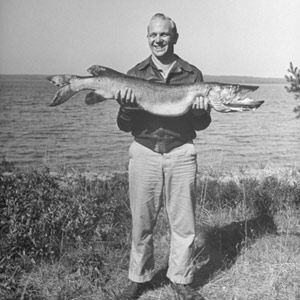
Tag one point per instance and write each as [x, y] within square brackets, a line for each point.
[220, 37]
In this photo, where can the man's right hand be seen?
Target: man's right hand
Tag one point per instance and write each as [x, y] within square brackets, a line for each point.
[125, 97]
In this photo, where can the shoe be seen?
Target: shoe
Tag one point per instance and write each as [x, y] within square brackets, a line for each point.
[186, 292]
[133, 291]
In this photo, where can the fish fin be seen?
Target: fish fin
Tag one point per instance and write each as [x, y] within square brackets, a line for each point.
[62, 95]
[97, 70]
[61, 80]
[93, 98]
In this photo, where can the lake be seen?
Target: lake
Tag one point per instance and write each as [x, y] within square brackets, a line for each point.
[74, 135]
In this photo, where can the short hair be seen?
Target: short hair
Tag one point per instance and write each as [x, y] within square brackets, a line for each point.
[166, 18]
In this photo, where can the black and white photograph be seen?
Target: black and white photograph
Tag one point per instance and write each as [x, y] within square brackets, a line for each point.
[149, 150]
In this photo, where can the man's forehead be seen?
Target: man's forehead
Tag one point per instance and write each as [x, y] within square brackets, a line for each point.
[159, 25]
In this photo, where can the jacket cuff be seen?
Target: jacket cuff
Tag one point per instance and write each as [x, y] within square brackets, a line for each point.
[200, 112]
[125, 114]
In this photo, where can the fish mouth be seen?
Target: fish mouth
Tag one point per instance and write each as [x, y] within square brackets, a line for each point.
[243, 104]
[238, 93]
[237, 99]
[246, 102]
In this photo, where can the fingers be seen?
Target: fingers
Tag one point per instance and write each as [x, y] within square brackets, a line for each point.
[206, 104]
[118, 96]
[125, 96]
[201, 103]
[129, 96]
[198, 103]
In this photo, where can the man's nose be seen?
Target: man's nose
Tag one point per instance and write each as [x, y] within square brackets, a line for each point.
[158, 38]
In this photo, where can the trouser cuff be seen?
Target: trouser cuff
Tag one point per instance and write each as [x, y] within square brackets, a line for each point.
[180, 280]
[142, 278]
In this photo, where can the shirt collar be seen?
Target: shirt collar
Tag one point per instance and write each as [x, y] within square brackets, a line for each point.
[178, 67]
[159, 65]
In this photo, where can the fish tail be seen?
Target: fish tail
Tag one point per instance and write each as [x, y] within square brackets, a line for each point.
[63, 95]
[61, 80]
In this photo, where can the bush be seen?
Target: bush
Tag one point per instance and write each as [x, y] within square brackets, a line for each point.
[85, 223]
[39, 219]
[294, 85]
[6, 166]
[261, 197]
[31, 214]
[220, 194]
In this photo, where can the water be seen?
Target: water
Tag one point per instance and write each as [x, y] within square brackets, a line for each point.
[87, 137]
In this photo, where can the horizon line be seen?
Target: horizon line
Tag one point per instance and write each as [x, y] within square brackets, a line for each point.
[212, 75]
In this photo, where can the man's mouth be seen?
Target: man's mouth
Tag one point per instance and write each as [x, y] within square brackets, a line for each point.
[156, 47]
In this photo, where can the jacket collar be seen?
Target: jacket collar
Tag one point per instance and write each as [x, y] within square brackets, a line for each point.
[179, 66]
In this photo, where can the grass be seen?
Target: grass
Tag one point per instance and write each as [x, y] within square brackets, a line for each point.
[67, 236]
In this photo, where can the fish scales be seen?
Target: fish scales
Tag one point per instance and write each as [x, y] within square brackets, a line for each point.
[156, 98]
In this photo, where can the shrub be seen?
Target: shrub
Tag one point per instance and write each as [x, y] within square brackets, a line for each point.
[294, 85]
[6, 166]
[39, 219]
[261, 197]
[271, 195]
[85, 223]
[31, 214]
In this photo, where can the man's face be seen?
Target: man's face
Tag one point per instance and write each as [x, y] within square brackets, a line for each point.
[161, 38]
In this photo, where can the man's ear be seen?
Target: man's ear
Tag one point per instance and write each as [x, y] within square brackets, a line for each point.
[176, 36]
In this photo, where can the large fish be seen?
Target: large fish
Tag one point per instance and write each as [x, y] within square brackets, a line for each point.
[156, 98]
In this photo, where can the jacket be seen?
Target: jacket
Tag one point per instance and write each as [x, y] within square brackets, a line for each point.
[160, 133]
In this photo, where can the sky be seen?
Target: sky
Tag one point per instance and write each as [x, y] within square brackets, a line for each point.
[220, 37]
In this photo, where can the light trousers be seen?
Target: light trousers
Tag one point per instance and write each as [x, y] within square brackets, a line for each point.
[151, 175]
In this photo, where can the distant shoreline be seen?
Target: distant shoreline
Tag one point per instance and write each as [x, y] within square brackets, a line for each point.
[220, 78]
[244, 79]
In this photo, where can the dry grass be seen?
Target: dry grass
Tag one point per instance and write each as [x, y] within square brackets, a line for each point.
[239, 254]
[264, 265]
[268, 267]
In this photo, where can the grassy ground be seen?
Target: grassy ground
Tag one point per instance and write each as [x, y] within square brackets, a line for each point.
[67, 236]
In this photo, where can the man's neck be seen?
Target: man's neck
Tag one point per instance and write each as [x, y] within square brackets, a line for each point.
[164, 68]
[166, 61]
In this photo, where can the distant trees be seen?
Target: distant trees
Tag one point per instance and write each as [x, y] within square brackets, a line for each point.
[293, 78]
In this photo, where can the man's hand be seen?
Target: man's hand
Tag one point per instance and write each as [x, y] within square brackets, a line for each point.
[125, 97]
[201, 103]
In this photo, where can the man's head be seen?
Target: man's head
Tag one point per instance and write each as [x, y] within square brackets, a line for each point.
[162, 36]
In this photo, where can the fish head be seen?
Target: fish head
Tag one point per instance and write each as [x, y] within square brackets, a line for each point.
[232, 97]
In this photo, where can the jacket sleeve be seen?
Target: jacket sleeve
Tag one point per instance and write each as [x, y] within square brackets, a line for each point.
[200, 118]
[125, 118]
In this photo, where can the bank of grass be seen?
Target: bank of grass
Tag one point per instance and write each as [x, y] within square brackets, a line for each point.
[66, 236]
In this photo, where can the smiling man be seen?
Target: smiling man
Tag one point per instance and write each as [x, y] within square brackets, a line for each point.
[162, 36]
[162, 166]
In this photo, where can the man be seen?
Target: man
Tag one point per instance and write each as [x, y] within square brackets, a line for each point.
[162, 158]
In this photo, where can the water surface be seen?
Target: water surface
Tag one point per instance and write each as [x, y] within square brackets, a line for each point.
[87, 137]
